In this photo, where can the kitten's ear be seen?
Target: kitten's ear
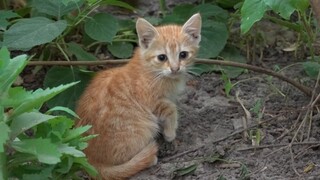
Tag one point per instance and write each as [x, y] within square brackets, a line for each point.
[146, 32]
[193, 27]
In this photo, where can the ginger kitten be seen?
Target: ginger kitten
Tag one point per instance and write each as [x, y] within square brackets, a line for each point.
[127, 106]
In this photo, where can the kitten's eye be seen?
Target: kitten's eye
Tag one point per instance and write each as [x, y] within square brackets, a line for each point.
[183, 55]
[162, 57]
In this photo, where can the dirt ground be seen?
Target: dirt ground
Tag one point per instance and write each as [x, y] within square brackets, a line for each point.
[207, 115]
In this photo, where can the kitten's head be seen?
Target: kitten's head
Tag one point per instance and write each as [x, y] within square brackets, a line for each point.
[169, 50]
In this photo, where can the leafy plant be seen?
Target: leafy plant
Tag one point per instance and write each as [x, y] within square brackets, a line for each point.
[285, 9]
[34, 145]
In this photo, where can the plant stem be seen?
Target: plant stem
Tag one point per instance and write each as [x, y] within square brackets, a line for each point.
[308, 29]
[293, 26]
[63, 52]
[163, 7]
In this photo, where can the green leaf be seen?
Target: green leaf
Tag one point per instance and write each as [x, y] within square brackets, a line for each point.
[186, 170]
[4, 59]
[43, 149]
[311, 68]
[232, 54]
[76, 132]
[102, 27]
[284, 8]
[56, 8]
[251, 12]
[227, 84]
[65, 165]
[211, 12]
[4, 131]
[31, 32]
[38, 97]
[214, 33]
[118, 3]
[121, 49]
[213, 39]
[61, 124]
[80, 54]
[64, 109]
[26, 121]
[4, 16]
[63, 75]
[301, 5]
[70, 150]
[10, 73]
[88, 167]
[257, 107]
[179, 14]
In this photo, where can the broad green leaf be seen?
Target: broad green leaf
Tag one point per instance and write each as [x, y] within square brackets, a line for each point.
[311, 68]
[283, 7]
[232, 54]
[118, 3]
[199, 69]
[30, 32]
[3, 168]
[121, 49]
[180, 14]
[4, 16]
[67, 2]
[70, 150]
[4, 59]
[63, 75]
[34, 176]
[301, 5]
[80, 54]
[209, 12]
[251, 12]
[213, 40]
[43, 149]
[56, 8]
[26, 121]
[76, 132]
[186, 170]
[228, 3]
[101, 27]
[4, 135]
[214, 33]
[88, 167]
[38, 97]
[10, 73]
[64, 109]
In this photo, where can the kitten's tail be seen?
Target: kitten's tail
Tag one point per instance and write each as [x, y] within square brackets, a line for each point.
[144, 159]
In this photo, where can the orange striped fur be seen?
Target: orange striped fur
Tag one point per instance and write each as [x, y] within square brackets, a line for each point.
[127, 106]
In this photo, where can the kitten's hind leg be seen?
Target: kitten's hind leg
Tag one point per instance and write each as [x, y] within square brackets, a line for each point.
[167, 111]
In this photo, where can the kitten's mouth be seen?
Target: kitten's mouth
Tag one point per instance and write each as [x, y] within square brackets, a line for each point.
[175, 75]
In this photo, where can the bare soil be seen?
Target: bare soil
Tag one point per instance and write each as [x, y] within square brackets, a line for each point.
[207, 116]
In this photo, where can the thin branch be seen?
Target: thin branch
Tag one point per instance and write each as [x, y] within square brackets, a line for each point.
[279, 145]
[299, 86]
[76, 63]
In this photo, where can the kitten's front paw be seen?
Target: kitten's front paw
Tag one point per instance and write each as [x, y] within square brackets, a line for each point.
[169, 136]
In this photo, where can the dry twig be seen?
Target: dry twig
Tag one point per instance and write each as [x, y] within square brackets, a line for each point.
[299, 86]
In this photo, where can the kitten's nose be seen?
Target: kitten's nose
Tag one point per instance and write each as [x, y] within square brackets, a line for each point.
[174, 70]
